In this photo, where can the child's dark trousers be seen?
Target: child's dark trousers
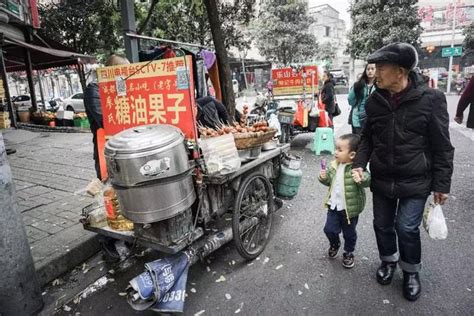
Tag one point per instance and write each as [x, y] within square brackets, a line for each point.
[335, 223]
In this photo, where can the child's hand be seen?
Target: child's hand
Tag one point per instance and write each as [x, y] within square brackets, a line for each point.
[323, 174]
[356, 176]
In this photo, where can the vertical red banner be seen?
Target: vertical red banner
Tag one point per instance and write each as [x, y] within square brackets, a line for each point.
[34, 14]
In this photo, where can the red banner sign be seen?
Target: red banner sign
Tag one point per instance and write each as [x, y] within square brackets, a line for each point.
[290, 81]
[160, 92]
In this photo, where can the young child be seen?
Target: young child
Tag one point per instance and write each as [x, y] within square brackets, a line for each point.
[345, 199]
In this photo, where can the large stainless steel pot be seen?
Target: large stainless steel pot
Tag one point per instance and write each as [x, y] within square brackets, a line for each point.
[146, 153]
[149, 169]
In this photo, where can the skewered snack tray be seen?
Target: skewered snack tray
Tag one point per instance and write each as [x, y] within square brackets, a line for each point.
[244, 136]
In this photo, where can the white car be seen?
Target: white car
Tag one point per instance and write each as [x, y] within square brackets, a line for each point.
[23, 102]
[74, 103]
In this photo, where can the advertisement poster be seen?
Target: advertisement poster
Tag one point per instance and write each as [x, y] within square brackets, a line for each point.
[289, 81]
[157, 92]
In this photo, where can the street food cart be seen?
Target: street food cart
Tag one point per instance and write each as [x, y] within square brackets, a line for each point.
[182, 188]
[299, 108]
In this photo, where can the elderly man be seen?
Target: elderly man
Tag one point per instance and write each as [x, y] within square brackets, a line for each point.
[406, 140]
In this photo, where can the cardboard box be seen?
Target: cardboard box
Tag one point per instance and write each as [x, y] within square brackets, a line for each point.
[65, 115]
[5, 124]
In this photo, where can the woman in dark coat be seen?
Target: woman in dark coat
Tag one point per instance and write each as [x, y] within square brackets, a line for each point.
[327, 93]
[466, 99]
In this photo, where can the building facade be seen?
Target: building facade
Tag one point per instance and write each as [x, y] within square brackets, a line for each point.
[437, 22]
[330, 29]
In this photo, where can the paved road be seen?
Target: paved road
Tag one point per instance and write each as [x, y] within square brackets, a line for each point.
[294, 276]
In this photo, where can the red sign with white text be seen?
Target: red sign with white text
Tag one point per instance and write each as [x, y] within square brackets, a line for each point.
[160, 92]
[288, 81]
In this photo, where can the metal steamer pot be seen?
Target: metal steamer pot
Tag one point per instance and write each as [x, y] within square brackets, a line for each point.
[150, 171]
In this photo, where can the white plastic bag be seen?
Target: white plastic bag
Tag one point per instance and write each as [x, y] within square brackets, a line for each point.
[434, 222]
[273, 122]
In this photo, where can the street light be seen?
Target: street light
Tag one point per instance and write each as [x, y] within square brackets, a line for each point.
[430, 49]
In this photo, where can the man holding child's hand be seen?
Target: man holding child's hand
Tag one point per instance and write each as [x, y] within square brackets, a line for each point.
[406, 140]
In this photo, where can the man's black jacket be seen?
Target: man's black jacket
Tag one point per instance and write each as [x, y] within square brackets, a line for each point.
[409, 149]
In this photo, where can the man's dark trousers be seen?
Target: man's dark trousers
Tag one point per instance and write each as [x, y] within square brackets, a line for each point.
[399, 218]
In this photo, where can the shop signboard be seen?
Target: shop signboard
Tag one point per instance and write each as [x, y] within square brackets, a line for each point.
[289, 81]
[157, 92]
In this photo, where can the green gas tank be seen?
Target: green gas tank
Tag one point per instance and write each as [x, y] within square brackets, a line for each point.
[290, 177]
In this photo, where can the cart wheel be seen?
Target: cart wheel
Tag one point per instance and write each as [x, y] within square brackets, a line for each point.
[254, 200]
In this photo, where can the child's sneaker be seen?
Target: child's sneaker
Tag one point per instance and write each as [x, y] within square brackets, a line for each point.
[332, 252]
[348, 260]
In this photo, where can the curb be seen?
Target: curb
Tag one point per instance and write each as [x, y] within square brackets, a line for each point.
[45, 128]
[61, 261]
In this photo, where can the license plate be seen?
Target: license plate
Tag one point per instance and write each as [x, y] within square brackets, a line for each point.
[288, 119]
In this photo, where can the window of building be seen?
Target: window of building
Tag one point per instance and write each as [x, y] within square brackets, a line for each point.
[327, 31]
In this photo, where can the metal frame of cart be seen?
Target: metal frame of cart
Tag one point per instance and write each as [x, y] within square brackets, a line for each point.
[238, 206]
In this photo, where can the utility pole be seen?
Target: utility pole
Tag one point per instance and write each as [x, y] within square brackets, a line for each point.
[129, 26]
[40, 84]
[448, 88]
[243, 71]
[20, 292]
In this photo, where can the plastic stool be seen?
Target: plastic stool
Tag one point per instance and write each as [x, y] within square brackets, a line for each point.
[323, 140]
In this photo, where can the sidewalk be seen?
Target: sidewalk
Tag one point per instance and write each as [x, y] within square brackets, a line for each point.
[47, 169]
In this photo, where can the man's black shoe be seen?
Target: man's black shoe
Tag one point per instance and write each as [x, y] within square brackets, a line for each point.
[411, 286]
[10, 151]
[385, 272]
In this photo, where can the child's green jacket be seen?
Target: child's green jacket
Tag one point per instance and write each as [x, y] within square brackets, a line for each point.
[354, 193]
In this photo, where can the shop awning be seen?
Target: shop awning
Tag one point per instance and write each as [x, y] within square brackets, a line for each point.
[44, 53]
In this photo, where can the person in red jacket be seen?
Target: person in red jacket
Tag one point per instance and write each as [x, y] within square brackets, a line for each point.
[467, 98]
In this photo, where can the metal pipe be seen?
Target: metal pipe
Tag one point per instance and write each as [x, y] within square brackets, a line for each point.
[448, 88]
[20, 292]
[164, 40]
[129, 27]
[202, 249]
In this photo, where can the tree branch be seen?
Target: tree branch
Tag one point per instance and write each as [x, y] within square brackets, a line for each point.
[148, 17]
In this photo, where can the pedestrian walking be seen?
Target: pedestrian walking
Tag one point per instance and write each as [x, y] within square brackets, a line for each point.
[270, 89]
[467, 98]
[327, 94]
[357, 98]
[406, 140]
[345, 200]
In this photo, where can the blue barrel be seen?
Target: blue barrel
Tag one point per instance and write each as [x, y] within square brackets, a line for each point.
[288, 182]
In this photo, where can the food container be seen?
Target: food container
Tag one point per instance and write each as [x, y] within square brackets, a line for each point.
[270, 145]
[150, 172]
[220, 154]
[249, 153]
